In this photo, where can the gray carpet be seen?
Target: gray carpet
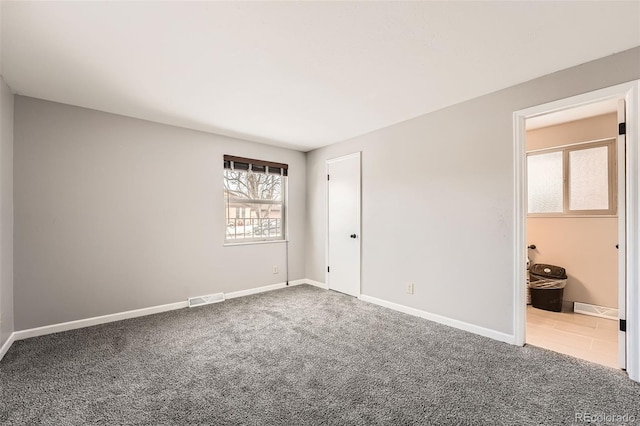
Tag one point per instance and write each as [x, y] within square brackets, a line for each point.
[297, 356]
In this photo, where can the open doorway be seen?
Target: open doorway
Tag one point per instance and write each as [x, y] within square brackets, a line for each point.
[628, 214]
[572, 231]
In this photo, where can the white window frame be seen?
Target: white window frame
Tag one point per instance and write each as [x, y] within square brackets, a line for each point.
[610, 144]
[263, 239]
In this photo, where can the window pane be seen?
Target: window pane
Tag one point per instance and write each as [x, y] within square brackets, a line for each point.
[239, 184]
[589, 179]
[253, 205]
[544, 180]
[253, 220]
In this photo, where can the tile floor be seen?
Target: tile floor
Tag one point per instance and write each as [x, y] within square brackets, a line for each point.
[582, 336]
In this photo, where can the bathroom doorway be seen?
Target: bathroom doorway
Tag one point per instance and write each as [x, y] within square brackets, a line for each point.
[572, 231]
[628, 212]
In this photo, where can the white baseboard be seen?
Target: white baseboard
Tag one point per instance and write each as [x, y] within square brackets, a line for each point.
[88, 322]
[277, 286]
[103, 319]
[486, 332]
[255, 290]
[5, 348]
[316, 284]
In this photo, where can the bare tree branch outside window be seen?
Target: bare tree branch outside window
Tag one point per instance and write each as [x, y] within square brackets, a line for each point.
[254, 205]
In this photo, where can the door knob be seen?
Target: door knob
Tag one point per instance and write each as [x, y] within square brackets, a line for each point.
[354, 236]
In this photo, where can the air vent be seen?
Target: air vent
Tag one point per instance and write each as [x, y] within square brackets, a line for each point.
[596, 311]
[206, 300]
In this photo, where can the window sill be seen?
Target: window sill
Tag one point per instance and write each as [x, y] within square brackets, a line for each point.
[248, 243]
[570, 216]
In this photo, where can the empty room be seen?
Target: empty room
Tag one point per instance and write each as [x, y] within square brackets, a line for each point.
[302, 213]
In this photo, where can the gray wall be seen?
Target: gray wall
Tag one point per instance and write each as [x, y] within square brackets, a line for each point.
[6, 212]
[115, 214]
[438, 199]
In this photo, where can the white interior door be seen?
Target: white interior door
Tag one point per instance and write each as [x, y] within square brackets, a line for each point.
[343, 224]
[622, 246]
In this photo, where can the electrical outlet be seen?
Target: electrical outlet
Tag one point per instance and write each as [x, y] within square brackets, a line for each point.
[410, 288]
[275, 269]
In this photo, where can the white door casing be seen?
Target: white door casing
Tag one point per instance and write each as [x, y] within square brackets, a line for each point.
[622, 236]
[343, 224]
[629, 230]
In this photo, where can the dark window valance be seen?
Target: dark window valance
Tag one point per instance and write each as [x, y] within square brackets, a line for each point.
[258, 166]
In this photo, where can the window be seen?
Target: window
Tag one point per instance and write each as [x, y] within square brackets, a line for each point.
[573, 180]
[255, 200]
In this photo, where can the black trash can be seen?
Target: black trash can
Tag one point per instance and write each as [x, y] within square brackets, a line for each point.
[546, 283]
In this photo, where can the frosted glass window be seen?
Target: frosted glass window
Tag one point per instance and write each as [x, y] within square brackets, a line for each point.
[545, 183]
[589, 179]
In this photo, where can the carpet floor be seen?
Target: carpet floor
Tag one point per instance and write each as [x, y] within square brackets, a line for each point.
[299, 356]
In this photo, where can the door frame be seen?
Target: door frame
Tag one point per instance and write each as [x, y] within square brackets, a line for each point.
[359, 216]
[630, 252]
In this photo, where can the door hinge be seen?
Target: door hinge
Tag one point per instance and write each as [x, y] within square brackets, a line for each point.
[327, 177]
[622, 128]
[623, 325]
[328, 269]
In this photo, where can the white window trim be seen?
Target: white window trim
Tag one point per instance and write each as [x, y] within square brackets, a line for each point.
[228, 242]
[610, 143]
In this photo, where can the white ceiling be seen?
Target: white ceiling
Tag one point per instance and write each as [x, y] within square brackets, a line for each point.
[296, 74]
[573, 114]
